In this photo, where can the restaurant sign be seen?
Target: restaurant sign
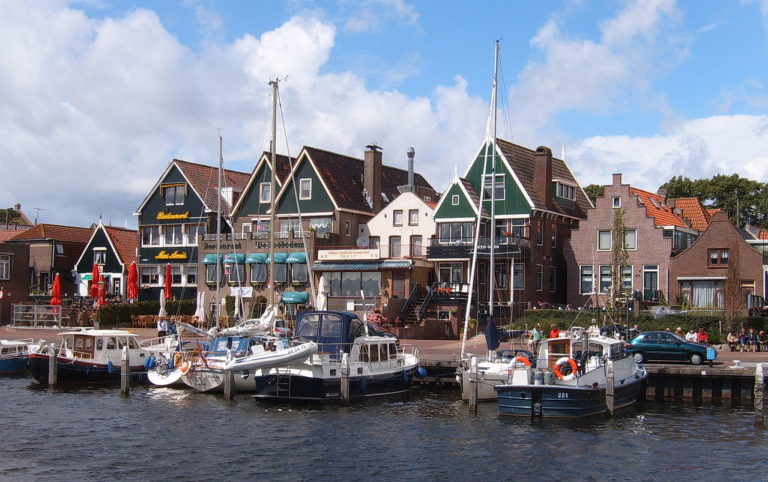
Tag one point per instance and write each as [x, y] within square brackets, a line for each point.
[347, 254]
[172, 216]
[163, 254]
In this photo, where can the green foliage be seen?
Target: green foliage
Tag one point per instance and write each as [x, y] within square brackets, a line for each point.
[593, 191]
[9, 215]
[120, 314]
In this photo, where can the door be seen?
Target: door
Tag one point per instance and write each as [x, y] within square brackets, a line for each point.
[398, 284]
[650, 282]
[670, 347]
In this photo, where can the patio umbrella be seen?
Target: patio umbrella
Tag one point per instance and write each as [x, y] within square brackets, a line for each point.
[102, 290]
[321, 300]
[133, 282]
[238, 302]
[56, 290]
[94, 292]
[162, 313]
[168, 292]
[200, 309]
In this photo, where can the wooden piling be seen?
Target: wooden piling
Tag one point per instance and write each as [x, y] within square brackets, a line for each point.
[52, 366]
[229, 379]
[345, 377]
[473, 384]
[759, 395]
[125, 372]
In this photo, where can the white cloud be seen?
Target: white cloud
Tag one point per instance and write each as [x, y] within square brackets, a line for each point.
[370, 15]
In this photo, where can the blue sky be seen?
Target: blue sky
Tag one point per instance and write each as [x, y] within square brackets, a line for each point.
[105, 93]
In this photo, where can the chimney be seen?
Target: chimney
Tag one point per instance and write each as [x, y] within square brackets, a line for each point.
[17, 207]
[617, 179]
[542, 174]
[372, 174]
[662, 193]
[411, 183]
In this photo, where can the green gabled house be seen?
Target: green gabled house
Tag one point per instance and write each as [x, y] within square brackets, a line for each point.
[537, 203]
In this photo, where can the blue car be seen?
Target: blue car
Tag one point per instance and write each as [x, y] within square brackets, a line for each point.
[665, 346]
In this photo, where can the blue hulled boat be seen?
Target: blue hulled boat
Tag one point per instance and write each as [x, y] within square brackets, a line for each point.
[14, 355]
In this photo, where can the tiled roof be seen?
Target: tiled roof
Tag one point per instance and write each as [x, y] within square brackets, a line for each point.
[343, 175]
[474, 197]
[713, 211]
[284, 165]
[657, 208]
[55, 232]
[126, 241]
[695, 211]
[523, 162]
[205, 181]
[6, 234]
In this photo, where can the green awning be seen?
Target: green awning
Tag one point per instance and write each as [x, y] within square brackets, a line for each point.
[211, 258]
[296, 258]
[395, 265]
[234, 258]
[254, 258]
[86, 277]
[372, 266]
[279, 258]
[295, 297]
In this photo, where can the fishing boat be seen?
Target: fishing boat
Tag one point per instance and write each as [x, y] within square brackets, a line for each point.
[350, 363]
[577, 375]
[14, 355]
[92, 357]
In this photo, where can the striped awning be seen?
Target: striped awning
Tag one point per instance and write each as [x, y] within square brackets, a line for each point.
[255, 258]
[279, 258]
[295, 297]
[296, 258]
[374, 266]
[211, 258]
[234, 258]
[400, 264]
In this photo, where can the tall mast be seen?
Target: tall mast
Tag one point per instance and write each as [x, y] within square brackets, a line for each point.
[217, 311]
[273, 164]
[492, 230]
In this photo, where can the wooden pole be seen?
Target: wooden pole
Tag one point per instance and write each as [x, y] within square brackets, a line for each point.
[52, 367]
[125, 372]
[229, 379]
[759, 395]
[473, 384]
[609, 386]
[345, 377]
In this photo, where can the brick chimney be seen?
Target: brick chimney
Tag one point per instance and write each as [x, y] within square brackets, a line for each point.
[372, 174]
[542, 175]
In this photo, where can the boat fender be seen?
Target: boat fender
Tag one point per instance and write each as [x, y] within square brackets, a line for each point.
[518, 359]
[422, 372]
[176, 361]
[149, 363]
[186, 366]
[110, 367]
[561, 362]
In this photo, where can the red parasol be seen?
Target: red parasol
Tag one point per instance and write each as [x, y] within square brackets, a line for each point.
[56, 290]
[102, 290]
[94, 281]
[168, 293]
[133, 282]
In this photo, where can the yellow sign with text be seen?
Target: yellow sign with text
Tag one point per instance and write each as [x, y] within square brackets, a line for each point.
[175, 255]
[170, 216]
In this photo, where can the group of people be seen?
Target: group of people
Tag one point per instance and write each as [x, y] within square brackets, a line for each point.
[537, 334]
[700, 336]
[748, 340]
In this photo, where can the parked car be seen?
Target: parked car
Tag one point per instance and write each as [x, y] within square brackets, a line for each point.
[665, 346]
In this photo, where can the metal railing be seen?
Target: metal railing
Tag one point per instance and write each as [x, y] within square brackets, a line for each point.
[36, 316]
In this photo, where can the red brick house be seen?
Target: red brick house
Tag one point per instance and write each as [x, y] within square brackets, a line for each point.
[655, 231]
[14, 277]
[700, 275]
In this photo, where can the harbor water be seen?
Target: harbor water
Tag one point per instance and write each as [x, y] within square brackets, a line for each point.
[428, 434]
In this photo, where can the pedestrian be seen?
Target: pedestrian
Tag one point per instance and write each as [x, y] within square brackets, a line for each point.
[752, 340]
[535, 338]
[162, 327]
[762, 338]
[733, 340]
[554, 332]
[691, 335]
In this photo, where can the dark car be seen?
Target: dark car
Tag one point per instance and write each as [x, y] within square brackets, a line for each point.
[665, 346]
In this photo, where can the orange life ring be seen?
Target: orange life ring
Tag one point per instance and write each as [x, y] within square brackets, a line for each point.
[562, 361]
[520, 359]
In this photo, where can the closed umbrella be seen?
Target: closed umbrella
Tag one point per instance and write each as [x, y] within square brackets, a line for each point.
[321, 300]
[102, 289]
[168, 292]
[133, 282]
[238, 302]
[56, 290]
[94, 292]
[200, 308]
[162, 313]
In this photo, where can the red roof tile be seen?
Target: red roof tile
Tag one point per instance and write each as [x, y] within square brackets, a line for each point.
[657, 208]
[695, 211]
[126, 241]
[56, 232]
[5, 235]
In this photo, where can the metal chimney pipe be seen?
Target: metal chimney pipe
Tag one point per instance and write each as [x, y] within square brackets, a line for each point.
[411, 183]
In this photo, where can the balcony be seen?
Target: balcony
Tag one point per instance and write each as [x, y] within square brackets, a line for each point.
[504, 246]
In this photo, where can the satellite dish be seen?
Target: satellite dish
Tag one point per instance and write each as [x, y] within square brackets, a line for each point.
[362, 242]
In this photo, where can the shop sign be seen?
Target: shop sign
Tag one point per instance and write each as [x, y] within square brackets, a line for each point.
[175, 255]
[172, 216]
[347, 254]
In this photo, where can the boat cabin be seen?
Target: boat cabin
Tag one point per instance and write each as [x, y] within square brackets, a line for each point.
[12, 348]
[376, 350]
[598, 347]
[100, 344]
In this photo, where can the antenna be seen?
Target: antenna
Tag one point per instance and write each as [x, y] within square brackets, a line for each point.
[37, 213]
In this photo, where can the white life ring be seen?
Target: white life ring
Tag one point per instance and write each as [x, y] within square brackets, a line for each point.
[566, 361]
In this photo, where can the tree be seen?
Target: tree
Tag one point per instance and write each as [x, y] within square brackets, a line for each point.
[618, 259]
[9, 216]
[733, 298]
[593, 191]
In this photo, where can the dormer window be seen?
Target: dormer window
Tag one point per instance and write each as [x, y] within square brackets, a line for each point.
[174, 194]
[565, 191]
[305, 189]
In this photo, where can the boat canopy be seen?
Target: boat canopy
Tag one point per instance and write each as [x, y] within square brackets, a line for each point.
[333, 331]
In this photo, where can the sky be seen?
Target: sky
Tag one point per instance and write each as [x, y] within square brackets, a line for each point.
[97, 97]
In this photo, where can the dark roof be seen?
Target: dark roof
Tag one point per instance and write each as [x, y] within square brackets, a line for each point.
[204, 179]
[474, 198]
[55, 232]
[343, 176]
[284, 164]
[523, 161]
[126, 241]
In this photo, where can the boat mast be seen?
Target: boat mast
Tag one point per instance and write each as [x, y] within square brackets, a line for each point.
[492, 230]
[217, 310]
[273, 164]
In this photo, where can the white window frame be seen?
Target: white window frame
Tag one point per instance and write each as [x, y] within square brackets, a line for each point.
[100, 255]
[154, 239]
[582, 274]
[191, 271]
[521, 272]
[264, 188]
[626, 244]
[192, 240]
[566, 191]
[455, 200]
[610, 240]
[413, 217]
[5, 267]
[616, 202]
[397, 217]
[247, 228]
[178, 240]
[305, 189]
[173, 200]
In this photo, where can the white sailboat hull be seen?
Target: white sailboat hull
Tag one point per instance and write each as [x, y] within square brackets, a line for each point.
[272, 358]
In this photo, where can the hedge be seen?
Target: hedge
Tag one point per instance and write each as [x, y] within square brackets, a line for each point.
[120, 313]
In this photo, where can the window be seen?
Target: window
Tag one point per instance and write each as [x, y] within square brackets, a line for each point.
[235, 272]
[246, 229]
[519, 276]
[193, 231]
[539, 277]
[258, 273]
[350, 283]
[617, 202]
[348, 228]
[5, 266]
[265, 189]
[281, 273]
[100, 256]
[455, 232]
[554, 235]
[176, 275]
[299, 272]
[539, 232]
[290, 226]
[519, 228]
[173, 235]
[502, 275]
[605, 278]
[450, 273]
[416, 249]
[191, 275]
[566, 192]
[630, 239]
[395, 250]
[149, 275]
[374, 242]
[174, 195]
[626, 278]
[212, 273]
[397, 217]
[413, 217]
[305, 189]
[585, 277]
[603, 240]
[718, 257]
[455, 200]
[552, 278]
[498, 195]
[150, 236]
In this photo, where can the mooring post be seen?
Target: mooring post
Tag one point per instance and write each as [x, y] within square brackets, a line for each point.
[473, 384]
[345, 377]
[229, 379]
[759, 395]
[52, 367]
[125, 372]
[609, 386]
